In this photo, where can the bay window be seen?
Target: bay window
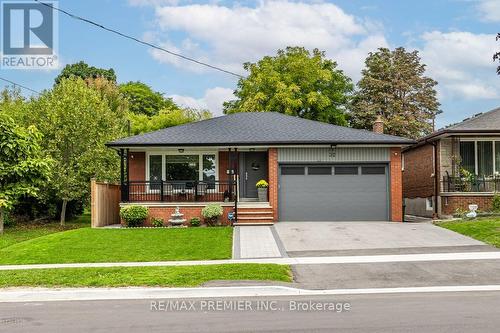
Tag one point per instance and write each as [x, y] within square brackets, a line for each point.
[480, 157]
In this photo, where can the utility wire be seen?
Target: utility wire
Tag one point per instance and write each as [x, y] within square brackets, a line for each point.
[19, 85]
[139, 40]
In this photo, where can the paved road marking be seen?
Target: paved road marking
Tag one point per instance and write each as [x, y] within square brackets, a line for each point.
[10, 295]
[282, 261]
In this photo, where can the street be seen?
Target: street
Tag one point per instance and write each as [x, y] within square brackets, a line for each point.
[415, 312]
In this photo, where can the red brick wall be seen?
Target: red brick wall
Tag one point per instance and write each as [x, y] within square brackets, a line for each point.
[418, 181]
[396, 186]
[188, 211]
[273, 180]
[450, 204]
[223, 165]
[137, 166]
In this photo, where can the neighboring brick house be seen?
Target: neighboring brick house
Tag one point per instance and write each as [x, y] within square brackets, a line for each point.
[316, 171]
[454, 167]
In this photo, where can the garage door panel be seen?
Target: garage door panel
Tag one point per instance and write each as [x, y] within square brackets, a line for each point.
[333, 197]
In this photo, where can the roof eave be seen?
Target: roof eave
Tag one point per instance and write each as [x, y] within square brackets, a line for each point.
[270, 143]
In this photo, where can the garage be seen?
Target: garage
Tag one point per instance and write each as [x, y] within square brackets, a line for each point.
[337, 192]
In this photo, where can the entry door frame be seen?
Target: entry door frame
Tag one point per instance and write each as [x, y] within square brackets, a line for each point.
[242, 171]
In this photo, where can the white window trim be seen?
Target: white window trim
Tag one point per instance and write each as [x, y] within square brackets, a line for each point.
[200, 162]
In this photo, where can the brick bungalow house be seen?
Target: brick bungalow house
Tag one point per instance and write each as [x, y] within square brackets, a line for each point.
[316, 171]
[453, 167]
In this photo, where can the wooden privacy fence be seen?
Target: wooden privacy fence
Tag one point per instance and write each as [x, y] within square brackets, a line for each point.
[105, 204]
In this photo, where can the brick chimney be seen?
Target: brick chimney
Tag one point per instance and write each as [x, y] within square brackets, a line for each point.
[378, 125]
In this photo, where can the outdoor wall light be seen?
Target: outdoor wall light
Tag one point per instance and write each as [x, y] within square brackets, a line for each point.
[180, 150]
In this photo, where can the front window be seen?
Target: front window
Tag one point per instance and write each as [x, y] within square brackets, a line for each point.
[182, 167]
[209, 168]
[155, 172]
[485, 158]
[481, 158]
[468, 153]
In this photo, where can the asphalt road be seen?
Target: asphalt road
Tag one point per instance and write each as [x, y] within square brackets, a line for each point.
[437, 312]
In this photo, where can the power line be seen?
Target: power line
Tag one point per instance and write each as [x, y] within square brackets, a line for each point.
[76, 17]
[19, 85]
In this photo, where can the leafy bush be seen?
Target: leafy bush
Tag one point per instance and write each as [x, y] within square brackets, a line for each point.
[262, 184]
[8, 221]
[157, 222]
[195, 222]
[495, 203]
[211, 213]
[460, 212]
[134, 216]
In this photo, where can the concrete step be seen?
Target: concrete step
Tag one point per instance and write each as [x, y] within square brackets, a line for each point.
[255, 213]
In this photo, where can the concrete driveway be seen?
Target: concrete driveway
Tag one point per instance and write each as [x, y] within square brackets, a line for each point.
[353, 238]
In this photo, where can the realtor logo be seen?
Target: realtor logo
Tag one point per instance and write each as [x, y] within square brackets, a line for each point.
[29, 35]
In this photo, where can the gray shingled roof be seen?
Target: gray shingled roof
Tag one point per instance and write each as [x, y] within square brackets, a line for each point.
[482, 121]
[257, 128]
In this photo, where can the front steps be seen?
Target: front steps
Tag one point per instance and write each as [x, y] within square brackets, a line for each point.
[255, 213]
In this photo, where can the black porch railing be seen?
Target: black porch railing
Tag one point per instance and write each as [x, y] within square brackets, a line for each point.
[179, 191]
[472, 184]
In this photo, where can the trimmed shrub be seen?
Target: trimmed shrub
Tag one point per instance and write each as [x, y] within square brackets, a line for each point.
[157, 222]
[211, 213]
[134, 216]
[495, 203]
[195, 222]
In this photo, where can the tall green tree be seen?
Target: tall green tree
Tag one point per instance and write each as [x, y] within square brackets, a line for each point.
[84, 71]
[496, 56]
[144, 100]
[394, 86]
[295, 82]
[77, 121]
[141, 123]
[23, 166]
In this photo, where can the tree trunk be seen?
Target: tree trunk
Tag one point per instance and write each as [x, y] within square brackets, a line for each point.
[1, 220]
[63, 212]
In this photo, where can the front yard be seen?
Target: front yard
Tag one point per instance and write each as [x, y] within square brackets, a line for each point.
[483, 229]
[119, 245]
[182, 276]
[76, 242]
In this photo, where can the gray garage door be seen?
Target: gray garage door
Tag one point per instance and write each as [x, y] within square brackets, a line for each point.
[333, 193]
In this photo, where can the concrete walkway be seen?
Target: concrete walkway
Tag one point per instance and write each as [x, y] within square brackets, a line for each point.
[255, 242]
[281, 261]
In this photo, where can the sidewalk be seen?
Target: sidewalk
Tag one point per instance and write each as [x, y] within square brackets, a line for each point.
[281, 261]
[15, 295]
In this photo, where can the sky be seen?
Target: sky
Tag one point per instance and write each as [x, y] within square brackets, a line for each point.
[455, 39]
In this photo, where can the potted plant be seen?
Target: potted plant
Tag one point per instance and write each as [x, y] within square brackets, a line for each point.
[211, 213]
[262, 186]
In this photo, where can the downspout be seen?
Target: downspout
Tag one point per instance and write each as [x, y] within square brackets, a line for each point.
[236, 173]
[436, 178]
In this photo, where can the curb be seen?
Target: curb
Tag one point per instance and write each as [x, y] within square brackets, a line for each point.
[14, 295]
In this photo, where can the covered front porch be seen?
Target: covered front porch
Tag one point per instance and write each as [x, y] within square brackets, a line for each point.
[192, 174]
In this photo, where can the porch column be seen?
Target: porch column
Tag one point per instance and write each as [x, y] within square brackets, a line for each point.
[272, 160]
[122, 167]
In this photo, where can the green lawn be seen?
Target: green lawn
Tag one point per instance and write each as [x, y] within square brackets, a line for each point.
[118, 245]
[182, 276]
[484, 229]
[23, 232]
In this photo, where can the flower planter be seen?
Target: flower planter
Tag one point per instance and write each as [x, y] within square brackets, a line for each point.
[262, 191]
